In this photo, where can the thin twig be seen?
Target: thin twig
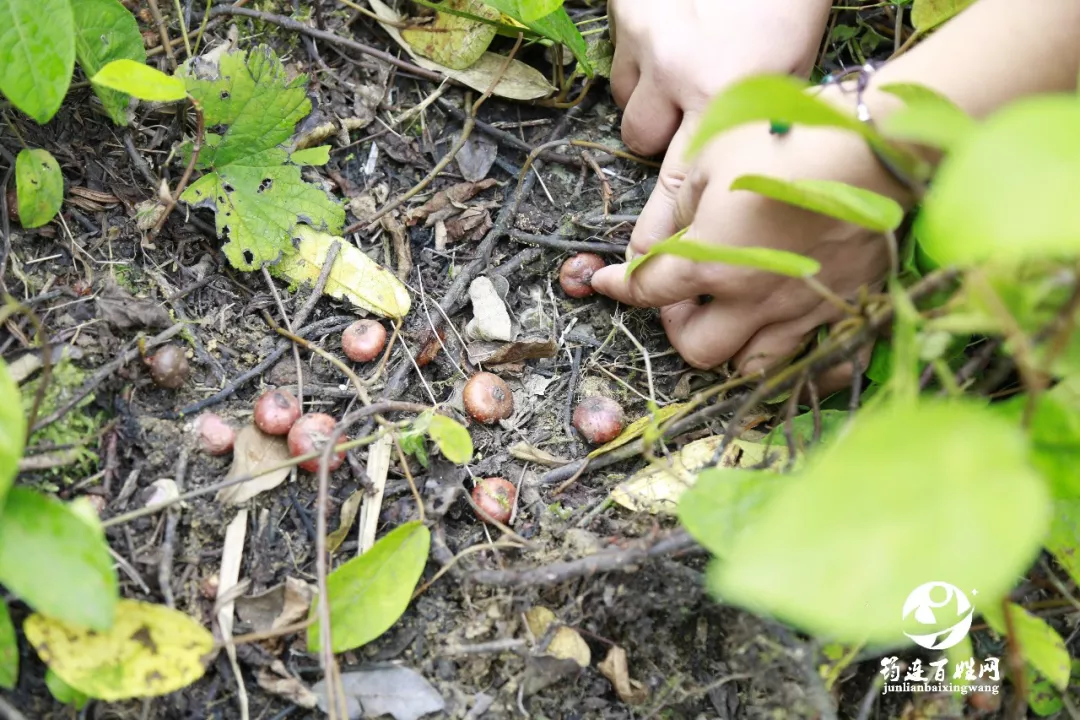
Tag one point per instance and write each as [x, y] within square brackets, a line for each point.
[196, 146]
[163, 30]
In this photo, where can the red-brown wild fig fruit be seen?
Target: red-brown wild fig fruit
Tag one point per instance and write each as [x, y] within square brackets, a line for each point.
[488, 398]
[364, 340]
[276, 412]
[598, 419]
[308, 435]
[576, 274]
[216, 437]
[169, 367]
[495, 497]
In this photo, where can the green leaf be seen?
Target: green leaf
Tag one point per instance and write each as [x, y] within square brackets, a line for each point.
[928, 14]
[771, 98]
[802, 428]
[722, 502]
[140, 80]
[37, 54]
[780, 262]
[1064, 540]
[525, 11]
[452, 438]
[9, 650]
[927, 118]
[1043, 699]
[1040, 644]
[910, 492]
[311, 156]
[64, 693]
[369, 593]
[1009, 192]
[40, 187]
[106, 31]
[12, 430]
[258, 194]
[835, 199]
[558, 26]
[454, 40]
[56, 561]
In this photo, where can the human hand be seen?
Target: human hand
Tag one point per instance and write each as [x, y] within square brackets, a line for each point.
[671, 58]
[752, 317]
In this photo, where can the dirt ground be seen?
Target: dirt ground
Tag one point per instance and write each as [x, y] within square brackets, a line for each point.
[692, 657]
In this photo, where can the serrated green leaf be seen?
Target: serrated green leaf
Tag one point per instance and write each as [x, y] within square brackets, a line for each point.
[148, 650]
[64, 693]
[369, 593]
[9, 650]
[723, 501]
[818, 554]
[928, 14]
[1009, 192]
[1040, 645]
[40, 187]
[600, 53]
[454, 39]
[258, 194]
[927, 118]
[311, 156]
[525, 11]
[56, 561]
[37, 54]
[835, 199]
[12, 430]
[771, 98]
[452, 438]
[106, 31]
[780, 262]
[140, 80]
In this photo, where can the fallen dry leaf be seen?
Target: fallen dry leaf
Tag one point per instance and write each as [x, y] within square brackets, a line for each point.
[471, 225]
[488, 353]
[528, 453]
[123, 311]
[615, 668]
[517, 82]
[476, 157]
[453, 195]
[397, 691]
[277, 680]
[491, 320]
[566, 644]
[348, 514]
[253, 451]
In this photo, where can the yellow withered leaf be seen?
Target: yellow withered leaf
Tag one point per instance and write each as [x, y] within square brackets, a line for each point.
[637, 428]
[150, 650]
[657, 489]
[452, 40]
[355, 277]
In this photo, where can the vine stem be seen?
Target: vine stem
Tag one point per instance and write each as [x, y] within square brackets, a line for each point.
[196, 147]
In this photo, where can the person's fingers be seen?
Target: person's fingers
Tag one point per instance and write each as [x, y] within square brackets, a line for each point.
[708, 335]
[777, 342]
[625, 75]
[650, 119]
[673, 200]
[662, 281]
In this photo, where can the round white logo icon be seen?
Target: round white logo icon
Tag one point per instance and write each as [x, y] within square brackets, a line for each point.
[921, 606]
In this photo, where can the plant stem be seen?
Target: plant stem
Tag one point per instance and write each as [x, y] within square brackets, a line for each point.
[196, 147]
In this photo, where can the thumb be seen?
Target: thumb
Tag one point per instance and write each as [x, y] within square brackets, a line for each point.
[664, 214]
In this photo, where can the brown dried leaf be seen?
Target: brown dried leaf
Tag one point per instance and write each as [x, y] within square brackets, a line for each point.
[476, 157]
[348, 514]
[277, 680]
[123, 311]
[615, 668]
[253, 451]
[528, 453]
[277, 607]
[454, 195]
[488, 353]
[469, 226]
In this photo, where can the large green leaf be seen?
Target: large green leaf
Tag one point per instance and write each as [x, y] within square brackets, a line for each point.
[558, 26]
[1009, 193]
[927, 118]
[12, 430]
[140, 80]
[722, 501]
[9, 650]
[39, 185]
[780, 262]
[369, 593]
[525, 11]
[452, 438]
[928, 14]
[912, 493]
[104, 31]
[1064, 540]
[64, 693]
[455, 39]
[1040, 644]
[56, 560]
[37, 54]
[777, 98]
[252, 183]
[836, 199]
